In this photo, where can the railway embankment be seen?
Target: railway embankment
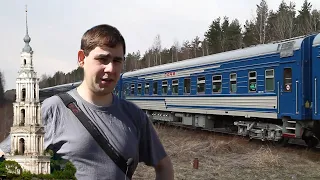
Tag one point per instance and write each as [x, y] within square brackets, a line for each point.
[230, 157]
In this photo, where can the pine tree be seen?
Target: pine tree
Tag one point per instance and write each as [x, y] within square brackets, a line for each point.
[2, 98]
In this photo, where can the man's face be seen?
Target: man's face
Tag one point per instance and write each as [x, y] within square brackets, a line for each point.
[102, 68]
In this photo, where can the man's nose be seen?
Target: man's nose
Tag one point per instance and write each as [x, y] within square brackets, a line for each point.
[109, 67]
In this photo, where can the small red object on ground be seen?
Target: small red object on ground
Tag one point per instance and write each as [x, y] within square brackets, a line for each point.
[195, 163]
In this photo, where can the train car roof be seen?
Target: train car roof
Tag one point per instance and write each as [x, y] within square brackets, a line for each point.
[316, 40]
[261, 49]
[61, 87]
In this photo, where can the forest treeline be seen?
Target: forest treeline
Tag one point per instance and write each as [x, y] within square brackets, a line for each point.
[223, 34]
[2, 98]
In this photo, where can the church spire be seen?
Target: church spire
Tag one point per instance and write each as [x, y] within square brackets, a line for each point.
[26, 38]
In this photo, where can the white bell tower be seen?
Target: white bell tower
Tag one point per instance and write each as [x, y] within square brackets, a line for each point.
[27, 132]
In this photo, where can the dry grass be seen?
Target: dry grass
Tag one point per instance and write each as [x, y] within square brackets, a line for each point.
[226, 157]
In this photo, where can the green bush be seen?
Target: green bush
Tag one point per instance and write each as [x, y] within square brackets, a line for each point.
[12, 170]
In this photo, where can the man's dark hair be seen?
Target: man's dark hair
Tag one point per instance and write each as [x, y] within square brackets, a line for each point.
[102, 35]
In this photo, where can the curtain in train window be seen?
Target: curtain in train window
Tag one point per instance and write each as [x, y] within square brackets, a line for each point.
[187, 85]
[132, 89]
[155, 87]
[164, 87]
[139, 88]
[201, 84]
[175, 86]
[269, 78]
[216, 83]
[146, 89]
[233, 82]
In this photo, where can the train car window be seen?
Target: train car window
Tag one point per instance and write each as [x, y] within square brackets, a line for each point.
[216, 83]
[252, 81]
[164, 87]
[155, 87]
[269, 80]
[175, 86]
[132, 89]
[201, 84]
[124, 92]
[128, 90]
[287, 75]
[233, 82]
[187, 85]
[146, 89]
[139, 89]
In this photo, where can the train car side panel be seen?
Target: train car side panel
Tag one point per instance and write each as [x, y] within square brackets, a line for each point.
[316, 78]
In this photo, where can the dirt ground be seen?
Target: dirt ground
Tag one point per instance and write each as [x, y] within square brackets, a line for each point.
[227, 158]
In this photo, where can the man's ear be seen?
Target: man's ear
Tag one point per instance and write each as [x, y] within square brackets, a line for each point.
[81, 57]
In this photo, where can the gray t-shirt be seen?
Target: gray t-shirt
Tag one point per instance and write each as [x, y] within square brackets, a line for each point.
[126, 126]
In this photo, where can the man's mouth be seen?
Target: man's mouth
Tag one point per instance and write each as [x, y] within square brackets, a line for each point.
[106, 81]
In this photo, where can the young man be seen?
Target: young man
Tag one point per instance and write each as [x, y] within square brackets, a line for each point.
[125, 125]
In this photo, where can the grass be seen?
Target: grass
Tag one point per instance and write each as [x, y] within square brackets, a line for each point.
[228, 158]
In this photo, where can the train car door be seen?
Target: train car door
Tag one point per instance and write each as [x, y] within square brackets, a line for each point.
[316, 78]
[287, 92]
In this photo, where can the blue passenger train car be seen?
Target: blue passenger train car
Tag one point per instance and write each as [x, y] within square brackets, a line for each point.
[261, 91]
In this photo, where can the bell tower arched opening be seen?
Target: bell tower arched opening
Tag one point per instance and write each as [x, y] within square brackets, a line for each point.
[37, 111]
[38, 142]
[21, 146]
[23, 98]
[34, 92]
[23, 117]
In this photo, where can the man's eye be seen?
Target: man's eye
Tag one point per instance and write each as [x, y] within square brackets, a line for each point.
[118, 61]
[102, 59]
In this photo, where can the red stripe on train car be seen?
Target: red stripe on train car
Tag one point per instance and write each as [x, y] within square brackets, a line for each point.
[288, 135]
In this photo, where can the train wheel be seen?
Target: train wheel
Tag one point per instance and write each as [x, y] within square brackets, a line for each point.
[310, 139]
[282, 142]
[312, 142]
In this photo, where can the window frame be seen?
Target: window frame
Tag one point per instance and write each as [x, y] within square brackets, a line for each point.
[201, 81]
[217, 81]
[252, 78]
[232, 80]
[269, 77]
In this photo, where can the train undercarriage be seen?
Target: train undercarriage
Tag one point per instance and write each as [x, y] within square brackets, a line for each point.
[273, 130]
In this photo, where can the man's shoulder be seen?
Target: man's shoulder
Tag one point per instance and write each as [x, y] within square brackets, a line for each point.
[128, 104]
[51, 102]
[52, 106]
[130, 108]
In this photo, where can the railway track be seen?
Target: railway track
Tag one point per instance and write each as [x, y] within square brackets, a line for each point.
[292, 143]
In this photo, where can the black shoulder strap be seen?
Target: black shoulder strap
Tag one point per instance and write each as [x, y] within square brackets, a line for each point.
[124, 165]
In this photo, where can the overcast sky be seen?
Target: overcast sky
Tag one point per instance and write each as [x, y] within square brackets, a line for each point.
[56, 26]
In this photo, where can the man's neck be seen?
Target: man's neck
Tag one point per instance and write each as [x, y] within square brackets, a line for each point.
[90, 97]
